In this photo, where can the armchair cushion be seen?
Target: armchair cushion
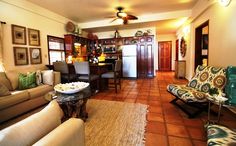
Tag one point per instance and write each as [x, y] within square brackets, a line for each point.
[186, 93]
[207, 77]
[220, 135]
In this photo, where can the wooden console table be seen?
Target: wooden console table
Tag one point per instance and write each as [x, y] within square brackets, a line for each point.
[180, 67]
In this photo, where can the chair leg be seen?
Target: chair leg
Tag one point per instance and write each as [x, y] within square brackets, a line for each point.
[115, 84]
[120, 83]
[98, 84]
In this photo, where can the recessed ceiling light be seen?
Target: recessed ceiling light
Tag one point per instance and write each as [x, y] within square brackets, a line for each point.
[224, 3]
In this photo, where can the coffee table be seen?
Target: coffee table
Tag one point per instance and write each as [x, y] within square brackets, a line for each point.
[73, 105]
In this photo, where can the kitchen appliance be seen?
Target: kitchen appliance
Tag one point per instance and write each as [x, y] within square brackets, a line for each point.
[129, 61]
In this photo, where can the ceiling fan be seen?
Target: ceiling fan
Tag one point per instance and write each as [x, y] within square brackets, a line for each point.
[122, 16]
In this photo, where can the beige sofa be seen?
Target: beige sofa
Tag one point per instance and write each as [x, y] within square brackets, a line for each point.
[45, 129]
[21, 101]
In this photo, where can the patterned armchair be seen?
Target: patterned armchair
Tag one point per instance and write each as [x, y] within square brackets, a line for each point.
[220, 135]
[208, 80]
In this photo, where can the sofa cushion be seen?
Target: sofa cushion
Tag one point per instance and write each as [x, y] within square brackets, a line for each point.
[39, 91]
[14, 98]
[33, 128]
[220, 135]
[48, 77]
[187, 94]
[27, 81]
[4, 90]
[207, 77]
[13, 77]
[39, 80]
[4, 80]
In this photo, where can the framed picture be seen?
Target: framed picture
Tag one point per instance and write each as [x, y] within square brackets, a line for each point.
[18, 34]
[34, 37]
[21, 55]
[35, 56]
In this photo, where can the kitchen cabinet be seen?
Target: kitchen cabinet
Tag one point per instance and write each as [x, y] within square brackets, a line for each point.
[77, 46]
[145, 60]
[145, 52]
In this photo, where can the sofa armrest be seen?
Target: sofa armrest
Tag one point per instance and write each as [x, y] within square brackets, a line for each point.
[70, 133]
[57, 78]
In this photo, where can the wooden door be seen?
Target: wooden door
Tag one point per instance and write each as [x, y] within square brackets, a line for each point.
[142, 61]
[177, 50]
[164, 55]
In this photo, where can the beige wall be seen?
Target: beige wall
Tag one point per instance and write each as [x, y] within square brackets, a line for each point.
[222, 33]
[172, 38]
[21, 12]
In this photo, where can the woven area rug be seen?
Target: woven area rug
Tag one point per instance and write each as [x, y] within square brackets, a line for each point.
[112, 123]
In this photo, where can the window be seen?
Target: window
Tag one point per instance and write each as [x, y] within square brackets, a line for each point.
[56, 49]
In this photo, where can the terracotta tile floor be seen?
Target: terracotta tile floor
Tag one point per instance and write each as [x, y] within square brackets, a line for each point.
[167, 125]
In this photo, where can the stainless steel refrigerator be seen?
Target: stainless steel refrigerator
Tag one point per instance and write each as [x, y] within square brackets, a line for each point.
[129, 61]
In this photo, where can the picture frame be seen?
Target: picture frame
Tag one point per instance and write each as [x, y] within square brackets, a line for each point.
[34, 37]
[35, 56]
[18, 34]
[20, 55]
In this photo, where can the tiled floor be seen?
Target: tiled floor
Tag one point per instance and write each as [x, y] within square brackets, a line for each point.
[167, 125]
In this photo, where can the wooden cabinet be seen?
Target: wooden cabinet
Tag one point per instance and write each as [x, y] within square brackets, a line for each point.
[145, 51]
[180, 68]
[77, 46]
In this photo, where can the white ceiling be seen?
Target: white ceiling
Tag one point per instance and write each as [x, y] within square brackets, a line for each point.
[82, 11]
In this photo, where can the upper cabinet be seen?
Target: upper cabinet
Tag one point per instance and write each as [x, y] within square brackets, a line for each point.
[77, 46]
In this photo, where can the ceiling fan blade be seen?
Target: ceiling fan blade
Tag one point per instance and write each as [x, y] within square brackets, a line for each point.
[114, 20]
[131, 17]
[110, 17]
[125, 20]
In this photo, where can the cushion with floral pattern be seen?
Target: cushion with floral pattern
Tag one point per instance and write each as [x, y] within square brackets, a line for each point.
[186, 93]
[218, 135]
[208, 77]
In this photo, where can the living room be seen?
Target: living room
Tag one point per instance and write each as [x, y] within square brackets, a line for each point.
[164, 21]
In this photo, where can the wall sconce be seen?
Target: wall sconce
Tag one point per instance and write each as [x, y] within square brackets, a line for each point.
[224, 3]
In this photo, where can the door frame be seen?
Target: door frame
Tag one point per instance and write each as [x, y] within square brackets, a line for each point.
[198, 39]
[170, 54]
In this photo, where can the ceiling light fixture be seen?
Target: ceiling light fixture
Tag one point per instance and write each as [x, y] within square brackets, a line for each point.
[224, 3]
[120, 21]
[122, 14]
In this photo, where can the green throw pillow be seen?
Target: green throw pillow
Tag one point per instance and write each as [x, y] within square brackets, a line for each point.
[27, 81]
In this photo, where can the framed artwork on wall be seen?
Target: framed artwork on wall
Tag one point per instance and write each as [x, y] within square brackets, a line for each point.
[34, 37]
[20, 55]
[35, 56]
[18, 34]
